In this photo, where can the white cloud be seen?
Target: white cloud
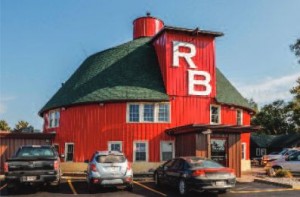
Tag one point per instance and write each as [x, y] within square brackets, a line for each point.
[270, 89]
[3, 106]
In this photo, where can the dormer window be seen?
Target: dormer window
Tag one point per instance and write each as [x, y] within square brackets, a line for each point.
[239, 117]
[215, 114]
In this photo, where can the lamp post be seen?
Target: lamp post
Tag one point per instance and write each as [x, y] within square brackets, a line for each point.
[207, 133]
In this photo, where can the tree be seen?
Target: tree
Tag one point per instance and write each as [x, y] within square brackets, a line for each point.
[274, 118]
[295, 103]
[4, 126]
[295, 48]
[21, 125]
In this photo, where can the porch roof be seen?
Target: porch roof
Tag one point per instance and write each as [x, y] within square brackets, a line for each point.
[199, 128]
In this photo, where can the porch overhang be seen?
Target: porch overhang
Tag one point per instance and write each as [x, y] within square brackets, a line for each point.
[199, 128]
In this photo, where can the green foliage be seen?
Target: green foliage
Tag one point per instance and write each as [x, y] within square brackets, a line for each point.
[21, 125]
[4, 126]
[295, 105]
[274, 118]
[295, 48]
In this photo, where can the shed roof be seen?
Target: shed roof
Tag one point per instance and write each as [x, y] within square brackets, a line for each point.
[128, 72]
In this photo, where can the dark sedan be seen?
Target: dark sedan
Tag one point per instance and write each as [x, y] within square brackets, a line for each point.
[195, 173]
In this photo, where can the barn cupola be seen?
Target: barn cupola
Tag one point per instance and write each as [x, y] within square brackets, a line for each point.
[146, 26]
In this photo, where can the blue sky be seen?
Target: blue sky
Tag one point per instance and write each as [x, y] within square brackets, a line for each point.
[44, 42]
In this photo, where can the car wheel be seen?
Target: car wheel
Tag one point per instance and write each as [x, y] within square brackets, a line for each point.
[182, 187]
[91, 188]
[156, 180]
[129, 188]
[222, 191]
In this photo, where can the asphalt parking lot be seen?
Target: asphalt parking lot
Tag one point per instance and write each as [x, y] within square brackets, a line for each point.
[148, 189]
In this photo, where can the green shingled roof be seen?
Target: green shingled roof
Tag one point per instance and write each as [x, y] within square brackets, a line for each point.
[127, 72]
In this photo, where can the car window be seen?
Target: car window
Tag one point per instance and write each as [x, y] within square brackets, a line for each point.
[200, 163]
[110, 159]
[283, 152]
[177, 165]
[35, 152]
[295, 157]
[169, 163]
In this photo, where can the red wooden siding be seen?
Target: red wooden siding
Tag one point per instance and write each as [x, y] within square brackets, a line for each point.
[176, 78]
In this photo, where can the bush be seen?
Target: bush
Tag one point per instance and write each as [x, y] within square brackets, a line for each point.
[283, 173]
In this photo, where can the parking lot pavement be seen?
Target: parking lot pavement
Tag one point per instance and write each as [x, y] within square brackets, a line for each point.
[148, 189]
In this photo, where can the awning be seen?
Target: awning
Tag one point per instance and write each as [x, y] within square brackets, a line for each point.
[199, 128]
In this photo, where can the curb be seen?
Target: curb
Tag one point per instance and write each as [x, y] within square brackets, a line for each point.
[273, 183]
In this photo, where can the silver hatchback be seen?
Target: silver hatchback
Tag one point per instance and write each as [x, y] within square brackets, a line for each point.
[107, 169]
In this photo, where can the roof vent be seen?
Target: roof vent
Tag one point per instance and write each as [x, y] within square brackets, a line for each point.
[146, 26]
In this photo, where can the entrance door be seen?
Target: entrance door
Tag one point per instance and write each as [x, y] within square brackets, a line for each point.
[219, 150]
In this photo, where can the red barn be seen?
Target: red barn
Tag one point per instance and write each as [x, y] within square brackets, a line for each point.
[155, 97]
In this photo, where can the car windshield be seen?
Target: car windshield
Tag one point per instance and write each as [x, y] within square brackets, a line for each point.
[35, 152]
[201, 163]
[283, 152]
[110, 159]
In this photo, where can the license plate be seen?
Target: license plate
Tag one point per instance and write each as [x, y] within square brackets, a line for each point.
[29, 178]
[220, 183]
[113, 169]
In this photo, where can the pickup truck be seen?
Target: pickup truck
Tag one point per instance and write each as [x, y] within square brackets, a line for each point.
[33, 165]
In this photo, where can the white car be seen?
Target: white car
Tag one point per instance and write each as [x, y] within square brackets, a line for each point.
[291, 163]
[281, 155]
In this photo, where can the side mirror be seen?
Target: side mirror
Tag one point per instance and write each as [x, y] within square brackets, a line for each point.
[287, 158]
[62, 156]
[165, 168]
[86, 161]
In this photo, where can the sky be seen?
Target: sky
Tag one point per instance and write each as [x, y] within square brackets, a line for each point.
[44, 42]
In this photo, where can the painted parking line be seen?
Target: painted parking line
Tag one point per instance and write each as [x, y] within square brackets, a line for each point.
[261, 191]
[3, 187]
[72, 187]
[148, 188]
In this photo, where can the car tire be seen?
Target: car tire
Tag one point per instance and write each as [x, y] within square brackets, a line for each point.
[182, 187]
[156, 180]
[91, 188]
[129, 188]
[222, 191]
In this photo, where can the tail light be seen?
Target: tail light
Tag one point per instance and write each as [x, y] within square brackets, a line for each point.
[5, 167]
[93, 167]
[56, 165]
[198, 173]
[128, 166]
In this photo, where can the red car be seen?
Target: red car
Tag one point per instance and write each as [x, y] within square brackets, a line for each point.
[195, 173]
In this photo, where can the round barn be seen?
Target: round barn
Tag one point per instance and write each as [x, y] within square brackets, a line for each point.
[158, 96]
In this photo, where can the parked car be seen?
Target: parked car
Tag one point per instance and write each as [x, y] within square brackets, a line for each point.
[195, 173]
[282, 154]
[291, 163]
[109, 168]
[32, 165]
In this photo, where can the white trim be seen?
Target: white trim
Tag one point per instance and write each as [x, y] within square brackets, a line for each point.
[244, 149]
[146, 147]
[219, 115]
[141, 112]
[54, 118]
[241, 112]
[173, 148]
[114, 142]
[66, 145]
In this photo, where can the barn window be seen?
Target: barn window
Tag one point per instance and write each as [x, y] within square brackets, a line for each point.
[115, 146]
[140, 150]
[239, 117]
[69, 151]
[148, 112]
[167, 150]
[243, 151]
[215, 117]
[163, 112]
[134, 113]
[54, 117]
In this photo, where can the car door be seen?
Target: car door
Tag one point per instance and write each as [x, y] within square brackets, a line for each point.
[175, 171]
[293, 162]
[162, 172]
